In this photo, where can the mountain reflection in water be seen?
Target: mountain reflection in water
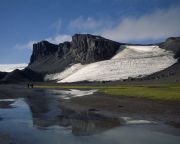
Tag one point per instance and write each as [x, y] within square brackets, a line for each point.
[46, 112]
[40, 119]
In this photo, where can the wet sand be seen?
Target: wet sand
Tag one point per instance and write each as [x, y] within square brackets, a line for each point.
[5, 139]
[154, 110]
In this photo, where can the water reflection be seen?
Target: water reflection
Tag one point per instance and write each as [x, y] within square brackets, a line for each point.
[88, 126]
[46, 112]
[41, 120]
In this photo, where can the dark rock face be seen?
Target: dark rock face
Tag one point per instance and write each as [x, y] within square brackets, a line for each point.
[172, 44]
[90, 48]
[84, 48]
[42, 49]
[2, 75]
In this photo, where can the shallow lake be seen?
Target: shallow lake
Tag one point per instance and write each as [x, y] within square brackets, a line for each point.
[40, 120]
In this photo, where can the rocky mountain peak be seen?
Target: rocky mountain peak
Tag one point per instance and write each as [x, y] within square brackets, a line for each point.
[84, 49]
[42, 49]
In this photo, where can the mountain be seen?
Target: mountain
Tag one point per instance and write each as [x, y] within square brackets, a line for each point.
[126, 61]
[2, 75]
[25, 75]
[7, 68]
[130, 61]
[94, 58]
[172, 44]
[11, 67]
[84, 49]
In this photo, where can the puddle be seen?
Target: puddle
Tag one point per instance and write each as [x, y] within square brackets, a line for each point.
[36, 120]
[67, 94]
[6, 103]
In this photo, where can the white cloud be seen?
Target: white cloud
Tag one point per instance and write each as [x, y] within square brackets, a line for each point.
[81, 23]
[59, 39]
[56, 40]
[89, 24]
[157, 25]
[27, 45]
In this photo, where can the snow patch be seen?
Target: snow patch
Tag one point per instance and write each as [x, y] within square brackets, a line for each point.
[130, 52]
[67, 72]
[11, 67]
[130, 61]
[67, 94]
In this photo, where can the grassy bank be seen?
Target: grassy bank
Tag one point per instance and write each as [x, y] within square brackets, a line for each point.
[161, 92]
[151, 92]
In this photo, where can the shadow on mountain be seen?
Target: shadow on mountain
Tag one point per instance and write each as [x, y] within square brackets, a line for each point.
[17, 76]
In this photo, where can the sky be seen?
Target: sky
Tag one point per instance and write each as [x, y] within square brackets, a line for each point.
[24, 22]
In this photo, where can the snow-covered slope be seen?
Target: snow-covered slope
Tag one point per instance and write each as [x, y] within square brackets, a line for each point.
[11, 67]
[67, 72]
[140, 52]
[130, 61]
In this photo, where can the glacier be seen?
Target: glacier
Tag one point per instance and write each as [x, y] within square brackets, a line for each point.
[130, 61]
[11, 67]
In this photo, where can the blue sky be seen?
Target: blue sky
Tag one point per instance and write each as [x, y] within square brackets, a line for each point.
[23, 22]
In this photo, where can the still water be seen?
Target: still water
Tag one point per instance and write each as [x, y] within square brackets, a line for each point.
[40, 120]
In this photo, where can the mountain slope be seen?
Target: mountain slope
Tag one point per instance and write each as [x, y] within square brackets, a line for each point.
[172, 44]
[130, 61]
[24, 75]
[84, 49]
[94, 58]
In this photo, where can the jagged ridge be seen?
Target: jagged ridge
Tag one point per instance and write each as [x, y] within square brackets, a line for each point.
[84, 49]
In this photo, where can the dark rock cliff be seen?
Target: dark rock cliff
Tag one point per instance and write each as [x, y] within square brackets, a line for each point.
[42, 49]
[172, 44]
[84, 48]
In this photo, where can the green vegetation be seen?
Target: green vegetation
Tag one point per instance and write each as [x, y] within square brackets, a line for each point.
[151, 92]
[161, 92]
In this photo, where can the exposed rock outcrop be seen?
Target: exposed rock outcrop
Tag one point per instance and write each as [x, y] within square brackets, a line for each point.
[172, 44]
[42, 49]
[84, 48]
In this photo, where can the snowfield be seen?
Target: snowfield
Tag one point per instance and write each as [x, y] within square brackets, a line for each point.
[11, 67]
[130, 61]
[67, 72]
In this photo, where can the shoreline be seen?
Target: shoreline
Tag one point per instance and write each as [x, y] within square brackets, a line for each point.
[167, 112]
[139, 108]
